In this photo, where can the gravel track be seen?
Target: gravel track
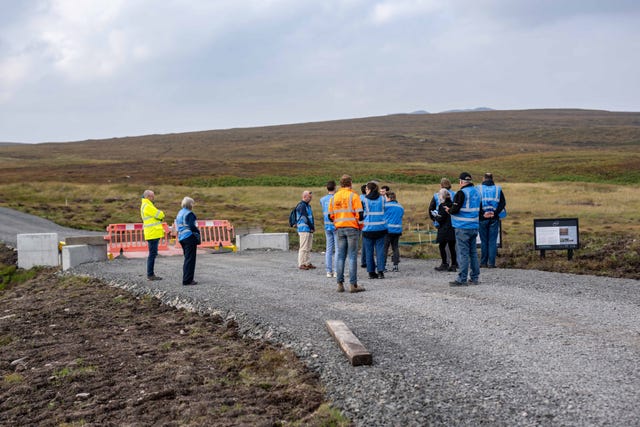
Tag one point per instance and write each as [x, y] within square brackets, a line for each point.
[523, 348]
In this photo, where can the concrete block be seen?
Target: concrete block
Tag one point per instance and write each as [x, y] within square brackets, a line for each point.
[349, 343]
[242, 231]
[38, 249]
[73, 255]
[85, 240]
[263, 241]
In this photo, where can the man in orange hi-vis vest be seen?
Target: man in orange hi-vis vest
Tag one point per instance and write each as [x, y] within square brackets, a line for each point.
[345, 210]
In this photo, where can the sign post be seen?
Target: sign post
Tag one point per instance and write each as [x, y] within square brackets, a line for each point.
[557, 233]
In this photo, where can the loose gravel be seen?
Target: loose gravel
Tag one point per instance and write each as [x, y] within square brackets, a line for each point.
[523, 348]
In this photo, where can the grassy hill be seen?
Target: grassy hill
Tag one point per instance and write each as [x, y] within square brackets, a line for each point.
[552, 163]
[525, 146]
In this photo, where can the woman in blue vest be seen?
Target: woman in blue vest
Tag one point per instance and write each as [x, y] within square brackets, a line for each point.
[374, 231]
[189, 238]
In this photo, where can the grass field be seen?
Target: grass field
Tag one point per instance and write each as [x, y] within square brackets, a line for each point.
[551, 163]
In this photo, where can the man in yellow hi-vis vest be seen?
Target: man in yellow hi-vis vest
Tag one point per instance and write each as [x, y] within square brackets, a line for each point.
[153, 230]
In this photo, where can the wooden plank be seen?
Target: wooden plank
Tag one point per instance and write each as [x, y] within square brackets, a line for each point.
[349, 343]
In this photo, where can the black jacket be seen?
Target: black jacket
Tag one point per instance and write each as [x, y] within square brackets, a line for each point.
[446, 232]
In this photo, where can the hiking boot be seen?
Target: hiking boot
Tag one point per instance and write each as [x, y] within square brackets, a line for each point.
[154, 277]
[442, 267]
[395, 268]
[456, 283]
[373, 276]
[303, 267]
[340, 287]
[310, 266]
[483, 265]
[473, 282]
[381, 275]
[453, 268]
[355, 288]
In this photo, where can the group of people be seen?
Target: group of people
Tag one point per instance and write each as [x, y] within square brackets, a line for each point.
[459, 216]
[187, 232]
[375, 215]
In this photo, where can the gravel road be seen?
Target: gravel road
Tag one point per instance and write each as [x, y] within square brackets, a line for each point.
[522, 348]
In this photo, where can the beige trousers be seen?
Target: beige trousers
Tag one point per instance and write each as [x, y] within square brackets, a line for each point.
[304, 253]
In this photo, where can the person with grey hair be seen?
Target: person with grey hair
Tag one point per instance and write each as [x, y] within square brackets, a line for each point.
[189, 238]
[446, 237]
[306, 227]
[491, 211]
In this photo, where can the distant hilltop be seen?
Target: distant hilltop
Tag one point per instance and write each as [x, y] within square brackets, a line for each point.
[466, 110]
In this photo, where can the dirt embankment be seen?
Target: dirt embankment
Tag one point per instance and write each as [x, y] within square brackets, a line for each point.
[77, 351]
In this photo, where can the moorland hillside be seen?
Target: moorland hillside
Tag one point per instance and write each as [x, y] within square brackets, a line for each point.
[528, 145]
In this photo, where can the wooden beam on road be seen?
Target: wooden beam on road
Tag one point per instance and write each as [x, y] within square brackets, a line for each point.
[349, 343]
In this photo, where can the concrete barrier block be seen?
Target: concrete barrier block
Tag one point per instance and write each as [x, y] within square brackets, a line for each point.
[263, 241]
[73, 255]
[85, 240]
[38, 249]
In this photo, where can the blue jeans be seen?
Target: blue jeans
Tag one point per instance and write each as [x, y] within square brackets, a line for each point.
[467, 254]
[153, 253]
[331, 250]
[377, 246]
[347, 247]
[488, 242]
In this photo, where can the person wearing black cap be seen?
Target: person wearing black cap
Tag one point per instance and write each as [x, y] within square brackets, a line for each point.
[465, 213]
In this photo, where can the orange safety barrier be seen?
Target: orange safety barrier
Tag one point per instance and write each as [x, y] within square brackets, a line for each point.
[215, 233]
[130, 238]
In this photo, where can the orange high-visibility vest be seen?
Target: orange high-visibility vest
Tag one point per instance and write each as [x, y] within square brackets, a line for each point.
[344, 209]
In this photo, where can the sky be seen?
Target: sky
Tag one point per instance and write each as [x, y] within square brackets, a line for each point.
[90, 69]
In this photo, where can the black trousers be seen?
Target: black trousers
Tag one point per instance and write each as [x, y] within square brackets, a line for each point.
[189, 249]
[392, 240]
[452, 251]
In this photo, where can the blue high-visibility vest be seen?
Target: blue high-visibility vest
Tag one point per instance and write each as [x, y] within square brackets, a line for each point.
[393, 213]
[468, 217]
[324, 203]
[374, 215]
[181, 224]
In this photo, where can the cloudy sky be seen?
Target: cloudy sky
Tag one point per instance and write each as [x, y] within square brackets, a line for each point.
[87, 69]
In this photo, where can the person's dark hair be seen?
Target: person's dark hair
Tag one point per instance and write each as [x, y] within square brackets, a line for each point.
[390, 195]
[488, 176]
[385, 188]
[331, 185]
[363, 189]
[372, 186]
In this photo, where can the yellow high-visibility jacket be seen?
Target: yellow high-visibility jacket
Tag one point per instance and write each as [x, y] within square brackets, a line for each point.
[152, 219]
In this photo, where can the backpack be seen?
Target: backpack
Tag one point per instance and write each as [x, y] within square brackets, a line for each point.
[293, 217]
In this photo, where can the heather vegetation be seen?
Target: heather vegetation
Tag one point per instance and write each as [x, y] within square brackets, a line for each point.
[551, 163]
